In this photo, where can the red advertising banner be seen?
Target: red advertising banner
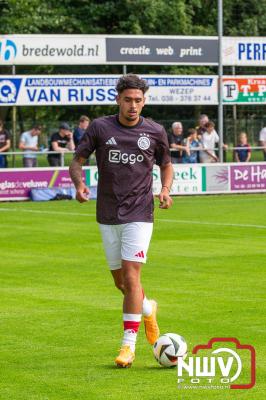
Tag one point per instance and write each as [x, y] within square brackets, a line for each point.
[247, 90]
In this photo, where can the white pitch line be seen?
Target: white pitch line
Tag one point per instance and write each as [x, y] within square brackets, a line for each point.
[176, 221]
[180, 221]
[46, 212]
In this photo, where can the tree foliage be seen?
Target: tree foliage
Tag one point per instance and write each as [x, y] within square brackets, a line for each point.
[172, 17]
[148, 17]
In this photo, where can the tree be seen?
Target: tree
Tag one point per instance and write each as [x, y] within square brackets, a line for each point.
[148, 17]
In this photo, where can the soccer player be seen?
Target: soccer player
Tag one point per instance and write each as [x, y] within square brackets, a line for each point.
[127, 146]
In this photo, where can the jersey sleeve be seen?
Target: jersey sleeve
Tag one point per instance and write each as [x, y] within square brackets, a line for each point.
[162, 152]
[88, 142]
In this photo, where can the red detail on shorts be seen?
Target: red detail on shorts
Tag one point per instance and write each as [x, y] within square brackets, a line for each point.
[132, 325]
[140, 254]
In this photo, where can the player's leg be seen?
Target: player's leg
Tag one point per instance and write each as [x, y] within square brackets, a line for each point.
[111, 237]
[133, 296]
[152, 330]
[118, 279]
[147, 305]
[119, 283]
[135, 243]
[132, 310]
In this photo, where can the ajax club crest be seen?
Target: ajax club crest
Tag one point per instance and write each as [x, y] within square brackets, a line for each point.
[144, 142]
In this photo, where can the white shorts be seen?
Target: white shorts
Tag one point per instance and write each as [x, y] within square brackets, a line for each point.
[126, 242]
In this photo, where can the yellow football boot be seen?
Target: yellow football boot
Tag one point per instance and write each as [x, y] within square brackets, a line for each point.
[125, 357]
[151, 327]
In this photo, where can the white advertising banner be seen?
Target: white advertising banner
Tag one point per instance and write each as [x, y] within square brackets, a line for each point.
[52, 49]
[187, 179]
[197, 179]
[130, 49]
[249, 51]
[176, 89]
[107, 49]
[39, 90]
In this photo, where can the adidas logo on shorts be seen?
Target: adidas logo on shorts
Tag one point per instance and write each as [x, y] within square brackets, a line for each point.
[140, 254]
[111, 141]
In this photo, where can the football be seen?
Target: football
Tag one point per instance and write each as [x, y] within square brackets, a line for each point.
[168, 348]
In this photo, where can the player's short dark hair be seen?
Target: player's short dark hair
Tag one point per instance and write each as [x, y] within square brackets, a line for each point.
[131, 81]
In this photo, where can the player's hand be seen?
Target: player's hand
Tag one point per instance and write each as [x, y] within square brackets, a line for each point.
[82, 194]
[165, 199]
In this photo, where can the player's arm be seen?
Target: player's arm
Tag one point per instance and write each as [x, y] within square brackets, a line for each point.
[75, 172]
[167, 175]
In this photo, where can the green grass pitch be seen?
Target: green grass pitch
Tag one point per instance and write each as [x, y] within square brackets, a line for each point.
[61, 315]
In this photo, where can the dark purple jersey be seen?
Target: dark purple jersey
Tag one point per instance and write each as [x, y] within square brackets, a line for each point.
[125, 158]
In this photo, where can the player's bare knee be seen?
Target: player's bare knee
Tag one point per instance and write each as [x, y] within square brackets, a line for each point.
[131, 284]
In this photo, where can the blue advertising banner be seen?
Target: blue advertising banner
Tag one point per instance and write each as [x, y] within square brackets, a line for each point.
[72, 90]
